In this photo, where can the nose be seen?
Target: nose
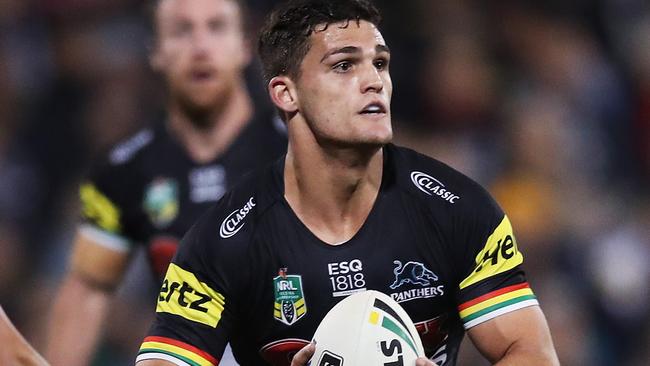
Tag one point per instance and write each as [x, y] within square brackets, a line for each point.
[371, 80]
[200, 42]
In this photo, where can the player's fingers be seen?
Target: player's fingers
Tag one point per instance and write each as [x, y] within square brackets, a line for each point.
[424, 362]
[301, 358]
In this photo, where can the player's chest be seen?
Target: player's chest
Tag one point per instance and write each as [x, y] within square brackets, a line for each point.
[302, 282]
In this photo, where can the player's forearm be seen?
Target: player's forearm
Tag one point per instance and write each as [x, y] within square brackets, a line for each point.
[75, 322]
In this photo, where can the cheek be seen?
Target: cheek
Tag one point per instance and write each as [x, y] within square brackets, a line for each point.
[229, 50]
[173, 58]
[388, 85]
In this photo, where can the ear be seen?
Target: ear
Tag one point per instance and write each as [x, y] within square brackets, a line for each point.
[283, 93]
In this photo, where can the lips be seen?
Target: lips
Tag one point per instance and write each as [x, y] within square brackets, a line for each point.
[374, 108]
[201, 74]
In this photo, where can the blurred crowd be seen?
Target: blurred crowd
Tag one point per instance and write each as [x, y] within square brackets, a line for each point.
[546, 103]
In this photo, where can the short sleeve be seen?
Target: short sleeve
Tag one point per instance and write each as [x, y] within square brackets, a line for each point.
[492, 281]
[104, 199]
[196, 305]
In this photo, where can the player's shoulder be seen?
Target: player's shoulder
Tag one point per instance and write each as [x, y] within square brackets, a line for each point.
[130, 147]
[235, 217]
[434, 182]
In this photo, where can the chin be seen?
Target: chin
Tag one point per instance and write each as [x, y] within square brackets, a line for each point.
[196, 105]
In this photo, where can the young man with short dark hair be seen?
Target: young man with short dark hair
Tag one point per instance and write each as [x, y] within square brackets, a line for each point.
[343, 211]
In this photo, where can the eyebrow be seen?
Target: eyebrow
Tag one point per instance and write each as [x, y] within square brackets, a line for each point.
[352, 49]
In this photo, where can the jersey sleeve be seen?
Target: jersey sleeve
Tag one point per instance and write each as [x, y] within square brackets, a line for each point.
[197, 304]
[492, 282]
[105, 198]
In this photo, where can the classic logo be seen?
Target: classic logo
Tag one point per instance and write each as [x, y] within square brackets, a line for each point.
[235, 221]
[432, 186]
[289, 306]
[161, 201]
[414, 273]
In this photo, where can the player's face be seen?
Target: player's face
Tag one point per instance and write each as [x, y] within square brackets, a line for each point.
[200, 49]
[344, 88]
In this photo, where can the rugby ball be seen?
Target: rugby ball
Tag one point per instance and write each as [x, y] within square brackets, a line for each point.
[366, 328]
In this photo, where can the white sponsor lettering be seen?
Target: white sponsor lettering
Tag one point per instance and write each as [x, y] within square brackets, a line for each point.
[432, 186]
[418, 293]
[207, 184]
[125, 151]
[354, 265]
[346, 277]
[235, 221]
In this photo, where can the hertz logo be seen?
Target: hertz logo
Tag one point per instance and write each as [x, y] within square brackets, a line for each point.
[499, 254]
[184, 295]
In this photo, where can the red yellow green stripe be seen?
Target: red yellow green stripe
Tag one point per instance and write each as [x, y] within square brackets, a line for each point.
[178, 349]
[495, 300]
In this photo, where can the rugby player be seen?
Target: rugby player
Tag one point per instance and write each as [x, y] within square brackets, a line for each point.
[344, 211]
[154, 185]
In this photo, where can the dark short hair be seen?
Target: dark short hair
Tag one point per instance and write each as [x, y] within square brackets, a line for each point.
[284, 38]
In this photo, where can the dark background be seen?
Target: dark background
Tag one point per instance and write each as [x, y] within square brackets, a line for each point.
[546, 105]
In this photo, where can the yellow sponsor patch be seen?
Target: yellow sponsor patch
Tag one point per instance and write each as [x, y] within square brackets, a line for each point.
[184, 295]
[98, 208]
[499, 255]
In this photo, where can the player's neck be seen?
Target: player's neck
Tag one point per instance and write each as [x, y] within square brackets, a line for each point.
[332, 191]
[204, 142]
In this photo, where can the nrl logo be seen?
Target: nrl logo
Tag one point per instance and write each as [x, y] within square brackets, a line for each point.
[235, 221]
[161, 201]
[289, 306]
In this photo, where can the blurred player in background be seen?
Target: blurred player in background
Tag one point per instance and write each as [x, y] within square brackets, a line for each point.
[155, 184]
[343, 212]
[15, 350]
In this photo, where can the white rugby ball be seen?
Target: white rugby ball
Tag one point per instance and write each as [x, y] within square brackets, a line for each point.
[367, 328]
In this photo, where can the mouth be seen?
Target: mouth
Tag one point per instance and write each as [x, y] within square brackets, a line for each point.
[201, 75]
[374, 109]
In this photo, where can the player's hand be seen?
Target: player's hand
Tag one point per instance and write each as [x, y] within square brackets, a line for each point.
[301, 358]
[424, 362]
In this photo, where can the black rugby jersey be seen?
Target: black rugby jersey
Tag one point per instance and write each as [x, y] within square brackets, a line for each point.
[250, 272]
[149, 191]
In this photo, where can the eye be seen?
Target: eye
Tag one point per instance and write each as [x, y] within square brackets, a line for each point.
[343, 66]
[217, 25]
[182, 29]
[381, 64]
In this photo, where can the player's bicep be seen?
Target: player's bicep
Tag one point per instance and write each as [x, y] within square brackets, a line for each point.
[154, 363]
[524, 330]
[95, 263]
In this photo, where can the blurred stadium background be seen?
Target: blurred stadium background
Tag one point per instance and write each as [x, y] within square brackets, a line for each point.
[546, 103]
